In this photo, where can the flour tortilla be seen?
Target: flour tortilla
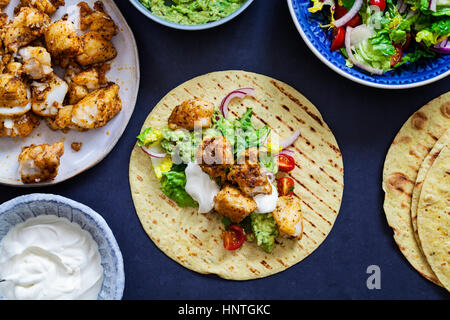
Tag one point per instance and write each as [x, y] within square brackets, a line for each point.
[410, 147]
[421, 176]
[433, 217]
[194, 240]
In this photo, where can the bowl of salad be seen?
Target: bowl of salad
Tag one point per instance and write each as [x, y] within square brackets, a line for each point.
[191, 14]
[390, 44]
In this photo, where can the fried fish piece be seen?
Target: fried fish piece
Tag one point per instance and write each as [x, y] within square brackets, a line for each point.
[14, 68]
[47, 6]
[20, 126]
[37, 62]
[95, 49]
[97, 108]
[62, 40]
[288, 216]
[190, 113]
[215, 156]
[97, 20]
[232, 203]
[40, 163]
[5, 59]
[14, 96]
[4, 3]
[28, 25]
[247, 174]
[47, 96]
[62, 120]
[94, 111]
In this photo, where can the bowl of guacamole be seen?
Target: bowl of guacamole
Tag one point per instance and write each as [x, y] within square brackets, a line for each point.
[191, 14]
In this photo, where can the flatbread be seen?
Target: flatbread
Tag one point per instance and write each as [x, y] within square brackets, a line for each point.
[405, 156]
[433, 217]
[421, 176]
[194, 240]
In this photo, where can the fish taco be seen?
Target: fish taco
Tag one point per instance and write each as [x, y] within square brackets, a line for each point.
[236, 174]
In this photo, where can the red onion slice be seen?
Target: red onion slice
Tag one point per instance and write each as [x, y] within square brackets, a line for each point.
[349, 15]
[288, 152]
[442, 47]
[289, 141]
[432, 5]
[270, 176]
[239, 93]
[355, 62]
[401, 6]
[153, 154]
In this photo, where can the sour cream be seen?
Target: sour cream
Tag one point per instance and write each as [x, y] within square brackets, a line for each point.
[266, 202]
[50, 258]
[201, 187]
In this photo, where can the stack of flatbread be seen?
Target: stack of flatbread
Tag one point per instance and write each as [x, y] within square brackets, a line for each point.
[416, 180]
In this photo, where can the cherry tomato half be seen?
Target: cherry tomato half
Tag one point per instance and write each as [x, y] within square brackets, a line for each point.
[285, 162]
[379, 3]
[233, 237]
[397, 56]
[285, 187]
[341, 11]
[338, 38]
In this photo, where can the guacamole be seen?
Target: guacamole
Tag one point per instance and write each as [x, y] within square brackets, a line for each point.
[265, 230]
[192, 12]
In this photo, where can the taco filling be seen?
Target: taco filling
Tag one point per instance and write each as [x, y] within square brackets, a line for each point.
[225, 166]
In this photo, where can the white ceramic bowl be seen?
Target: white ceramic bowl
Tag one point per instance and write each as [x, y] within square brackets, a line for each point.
[180, 26]
[21, 208]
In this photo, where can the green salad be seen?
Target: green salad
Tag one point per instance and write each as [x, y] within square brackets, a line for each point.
[381, 35]
[192, 12]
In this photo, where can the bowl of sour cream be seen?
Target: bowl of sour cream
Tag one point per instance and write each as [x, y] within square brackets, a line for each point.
[54, 248]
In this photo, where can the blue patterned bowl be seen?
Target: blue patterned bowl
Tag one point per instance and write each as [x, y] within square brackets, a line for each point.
[180, 26]
[408, 76]
[21, 208]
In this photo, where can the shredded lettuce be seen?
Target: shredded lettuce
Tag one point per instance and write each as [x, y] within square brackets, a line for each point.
[375, 51]
[173, 185]
[414, 56]
[240, 132]
[442, 7]
[427, 37]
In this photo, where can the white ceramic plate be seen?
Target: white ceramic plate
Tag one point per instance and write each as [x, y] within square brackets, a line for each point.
[96, 144]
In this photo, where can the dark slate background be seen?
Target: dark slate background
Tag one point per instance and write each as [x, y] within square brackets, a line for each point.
[365, 120]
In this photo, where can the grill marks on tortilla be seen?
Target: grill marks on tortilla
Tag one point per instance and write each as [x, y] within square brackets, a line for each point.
[265, 264]
[168, 201]
[247, 263]
[445, 109]
[419, 120]
[412, 144]
[296, 101]
[400, 183]
[332, 146]
[320, 168]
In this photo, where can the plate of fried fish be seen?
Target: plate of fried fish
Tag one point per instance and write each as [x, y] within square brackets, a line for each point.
[68, 86]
